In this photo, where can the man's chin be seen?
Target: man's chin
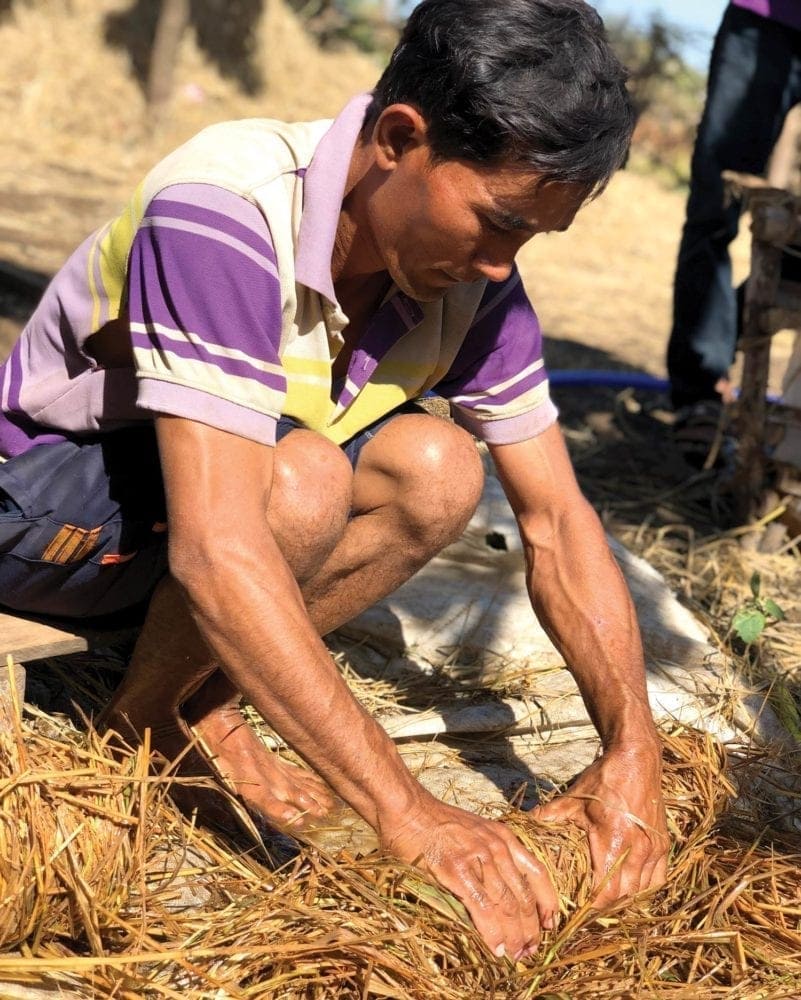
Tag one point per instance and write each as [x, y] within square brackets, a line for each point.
[431, 295]
[424, 291]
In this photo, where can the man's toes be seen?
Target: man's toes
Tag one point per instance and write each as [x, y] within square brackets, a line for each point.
[298, 807]
[315, 804]
[292, 819]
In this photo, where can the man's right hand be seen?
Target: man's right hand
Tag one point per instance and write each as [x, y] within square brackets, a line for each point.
[508, 894]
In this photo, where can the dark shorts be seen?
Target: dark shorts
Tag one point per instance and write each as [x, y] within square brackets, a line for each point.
[83, 524]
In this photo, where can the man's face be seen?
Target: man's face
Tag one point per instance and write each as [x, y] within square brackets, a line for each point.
[434, 225]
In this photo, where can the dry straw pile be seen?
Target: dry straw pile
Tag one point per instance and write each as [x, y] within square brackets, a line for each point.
[108, 892]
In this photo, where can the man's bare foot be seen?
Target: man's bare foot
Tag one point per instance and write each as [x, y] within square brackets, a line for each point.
[200, 794]
[282, 793]
[221, 745]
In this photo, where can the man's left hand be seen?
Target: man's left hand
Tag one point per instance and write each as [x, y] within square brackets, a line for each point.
[618, 802]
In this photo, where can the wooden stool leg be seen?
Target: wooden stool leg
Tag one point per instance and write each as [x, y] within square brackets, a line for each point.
[11, 673]
[760, 295]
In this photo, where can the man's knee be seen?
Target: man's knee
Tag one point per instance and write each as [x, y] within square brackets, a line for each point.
[436, 475]
[311, 499]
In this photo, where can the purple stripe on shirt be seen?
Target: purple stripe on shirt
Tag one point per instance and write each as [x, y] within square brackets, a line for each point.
[14, 363]
[787, 12]
[19, 434]
[345, 397]
[383, 331]
[410, 312]
[517, 389]
[505, 341]
[197, 352]
[494, 294]
[189, 282]
[211, 196]
[249, 226]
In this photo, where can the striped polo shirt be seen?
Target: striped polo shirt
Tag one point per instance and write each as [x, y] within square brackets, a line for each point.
[220, 270]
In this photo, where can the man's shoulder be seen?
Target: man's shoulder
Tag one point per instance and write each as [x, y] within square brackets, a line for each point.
[241, 156]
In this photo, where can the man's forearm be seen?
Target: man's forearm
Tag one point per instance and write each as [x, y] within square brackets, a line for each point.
[258, 627]
[582, 601]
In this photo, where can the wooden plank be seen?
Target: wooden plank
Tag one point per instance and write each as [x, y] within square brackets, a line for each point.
[26, 639]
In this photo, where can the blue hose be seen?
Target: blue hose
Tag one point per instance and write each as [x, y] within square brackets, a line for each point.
[618, 380]
[608, 379]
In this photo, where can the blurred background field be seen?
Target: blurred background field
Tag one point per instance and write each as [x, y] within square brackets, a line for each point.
[78, 135]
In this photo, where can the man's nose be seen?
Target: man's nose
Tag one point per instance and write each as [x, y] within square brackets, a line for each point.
[494, 258]
[493, 267]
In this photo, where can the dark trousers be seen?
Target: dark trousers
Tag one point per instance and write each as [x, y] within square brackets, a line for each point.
[83, 528]
[754, 80]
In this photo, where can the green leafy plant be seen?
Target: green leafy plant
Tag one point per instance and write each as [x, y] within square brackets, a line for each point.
[756, 614]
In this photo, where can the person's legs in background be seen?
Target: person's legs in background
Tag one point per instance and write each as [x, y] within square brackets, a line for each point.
[754, 79]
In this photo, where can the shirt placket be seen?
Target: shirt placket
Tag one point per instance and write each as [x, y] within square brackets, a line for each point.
[395, 318]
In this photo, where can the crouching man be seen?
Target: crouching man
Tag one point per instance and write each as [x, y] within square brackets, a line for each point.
[211, 411]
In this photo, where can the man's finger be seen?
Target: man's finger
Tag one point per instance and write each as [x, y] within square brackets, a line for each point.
[562, 809]
[623, 865]
[660, 872]
[606, 887]
[493, 907]
[654, 873]
[647, 875]
[530, 881]
[535, 882]
[507, 892]
[608, 856]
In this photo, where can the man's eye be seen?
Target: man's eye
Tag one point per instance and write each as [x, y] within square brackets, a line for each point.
[495, 226]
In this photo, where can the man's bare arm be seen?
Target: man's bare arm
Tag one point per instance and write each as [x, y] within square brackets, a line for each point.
[250, 611]
[583, 603]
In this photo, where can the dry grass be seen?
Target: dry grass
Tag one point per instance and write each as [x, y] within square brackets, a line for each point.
[95, 863]
[67, 96]
[75, 130]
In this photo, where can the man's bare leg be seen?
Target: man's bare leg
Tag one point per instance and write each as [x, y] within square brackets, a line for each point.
[170, 664]
[171, 661]
[416, 486]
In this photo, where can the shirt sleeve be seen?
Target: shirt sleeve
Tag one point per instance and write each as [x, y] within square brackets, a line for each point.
[204, 303]
[497, 385]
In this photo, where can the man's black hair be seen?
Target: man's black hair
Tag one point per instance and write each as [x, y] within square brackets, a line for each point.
[528, 82]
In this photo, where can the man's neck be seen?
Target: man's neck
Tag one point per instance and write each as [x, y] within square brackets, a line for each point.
[354, 255]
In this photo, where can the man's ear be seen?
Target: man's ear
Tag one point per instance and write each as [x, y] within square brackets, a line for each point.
[399, 129]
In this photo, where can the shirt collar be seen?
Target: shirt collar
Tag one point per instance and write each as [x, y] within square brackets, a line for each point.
[323, 191]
